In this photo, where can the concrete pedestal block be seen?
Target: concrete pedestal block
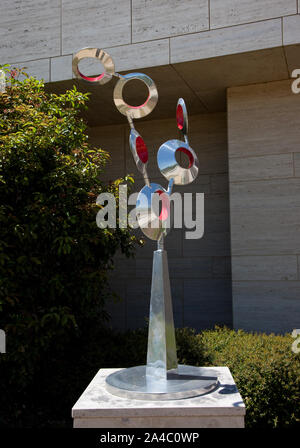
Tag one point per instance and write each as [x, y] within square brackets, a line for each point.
[222, 408]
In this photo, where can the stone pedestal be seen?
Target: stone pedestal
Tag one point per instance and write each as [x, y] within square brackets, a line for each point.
[222, 408]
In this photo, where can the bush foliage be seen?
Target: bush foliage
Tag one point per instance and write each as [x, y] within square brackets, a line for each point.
[265, 369]
[53, 258]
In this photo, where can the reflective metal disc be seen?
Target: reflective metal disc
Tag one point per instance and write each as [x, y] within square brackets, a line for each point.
[104, 58]
[182, 116]
[139, 150]
[187, 382]
[152, 223]
[169, 166]
[135, 111]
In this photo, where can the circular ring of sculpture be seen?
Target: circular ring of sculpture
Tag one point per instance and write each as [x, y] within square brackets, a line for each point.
[152, 224]
[102, 56]
[135, 111]
[169, 166]
[182, 116]
[139, 150]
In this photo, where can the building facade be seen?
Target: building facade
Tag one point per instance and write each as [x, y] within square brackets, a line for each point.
[232, 61]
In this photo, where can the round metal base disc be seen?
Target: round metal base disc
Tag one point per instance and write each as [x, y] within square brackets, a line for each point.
[187, 382]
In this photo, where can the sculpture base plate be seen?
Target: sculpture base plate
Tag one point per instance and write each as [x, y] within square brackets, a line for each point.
[186, 382]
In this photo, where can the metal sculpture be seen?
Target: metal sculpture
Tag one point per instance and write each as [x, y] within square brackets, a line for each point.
[162, 378]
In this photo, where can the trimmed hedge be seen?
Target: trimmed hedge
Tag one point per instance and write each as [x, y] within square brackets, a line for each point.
[266, 372]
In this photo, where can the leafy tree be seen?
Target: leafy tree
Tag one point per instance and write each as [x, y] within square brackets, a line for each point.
[54, 259]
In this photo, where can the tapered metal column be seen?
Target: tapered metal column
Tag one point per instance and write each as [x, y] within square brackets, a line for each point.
[161, 354]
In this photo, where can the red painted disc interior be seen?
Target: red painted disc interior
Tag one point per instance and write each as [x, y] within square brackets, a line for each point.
[189, 154]
[141, 149]
[165, 205]
[179, 117]
[91, 78]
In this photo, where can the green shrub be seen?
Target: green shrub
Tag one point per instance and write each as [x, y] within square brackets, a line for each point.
[265, 369]
[53, 257]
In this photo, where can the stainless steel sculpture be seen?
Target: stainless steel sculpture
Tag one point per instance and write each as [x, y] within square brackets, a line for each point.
[162, 378]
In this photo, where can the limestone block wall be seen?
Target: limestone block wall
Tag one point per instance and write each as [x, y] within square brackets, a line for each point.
[44, 34]
[264, 176]
[199, 269]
